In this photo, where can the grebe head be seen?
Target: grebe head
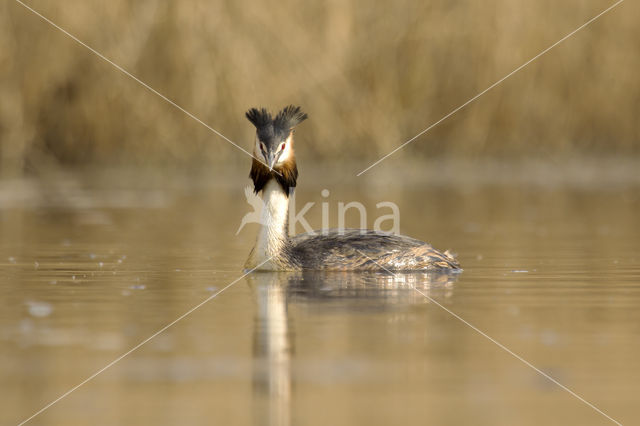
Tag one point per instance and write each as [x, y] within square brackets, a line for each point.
[273, 154]
[274, 136]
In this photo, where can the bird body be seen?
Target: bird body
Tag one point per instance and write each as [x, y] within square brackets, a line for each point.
[274, 174]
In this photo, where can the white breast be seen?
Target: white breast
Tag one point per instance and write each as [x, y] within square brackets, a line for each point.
[273, 234]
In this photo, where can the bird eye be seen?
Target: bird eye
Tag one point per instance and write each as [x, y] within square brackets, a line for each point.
[283, 145]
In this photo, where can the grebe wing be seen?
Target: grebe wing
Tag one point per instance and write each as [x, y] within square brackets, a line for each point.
[358, 249]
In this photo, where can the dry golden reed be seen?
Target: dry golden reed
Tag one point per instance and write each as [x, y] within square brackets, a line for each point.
[370, 75]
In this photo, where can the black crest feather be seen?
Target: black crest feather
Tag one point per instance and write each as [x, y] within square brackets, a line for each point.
[285, 120]
[259, 117]
[289, 117]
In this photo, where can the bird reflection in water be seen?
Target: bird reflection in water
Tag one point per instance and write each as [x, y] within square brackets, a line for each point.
[273, 332]
[272, 349]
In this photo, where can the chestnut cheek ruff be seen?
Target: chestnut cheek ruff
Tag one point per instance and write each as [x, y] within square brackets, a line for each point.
[286, 176]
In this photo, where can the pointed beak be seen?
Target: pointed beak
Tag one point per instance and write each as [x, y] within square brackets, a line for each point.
[271, 160]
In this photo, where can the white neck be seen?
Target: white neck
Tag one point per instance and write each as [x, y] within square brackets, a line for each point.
[273, 235]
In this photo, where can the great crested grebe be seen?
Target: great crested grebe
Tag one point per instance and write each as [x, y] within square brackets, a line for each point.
[274, 173]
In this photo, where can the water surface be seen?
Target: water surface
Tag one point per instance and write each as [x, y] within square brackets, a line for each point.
[94, 263]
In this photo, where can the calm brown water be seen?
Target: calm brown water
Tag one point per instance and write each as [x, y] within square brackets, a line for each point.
[93, 264]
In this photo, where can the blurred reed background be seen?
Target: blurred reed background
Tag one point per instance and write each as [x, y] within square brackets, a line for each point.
[370, 75]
